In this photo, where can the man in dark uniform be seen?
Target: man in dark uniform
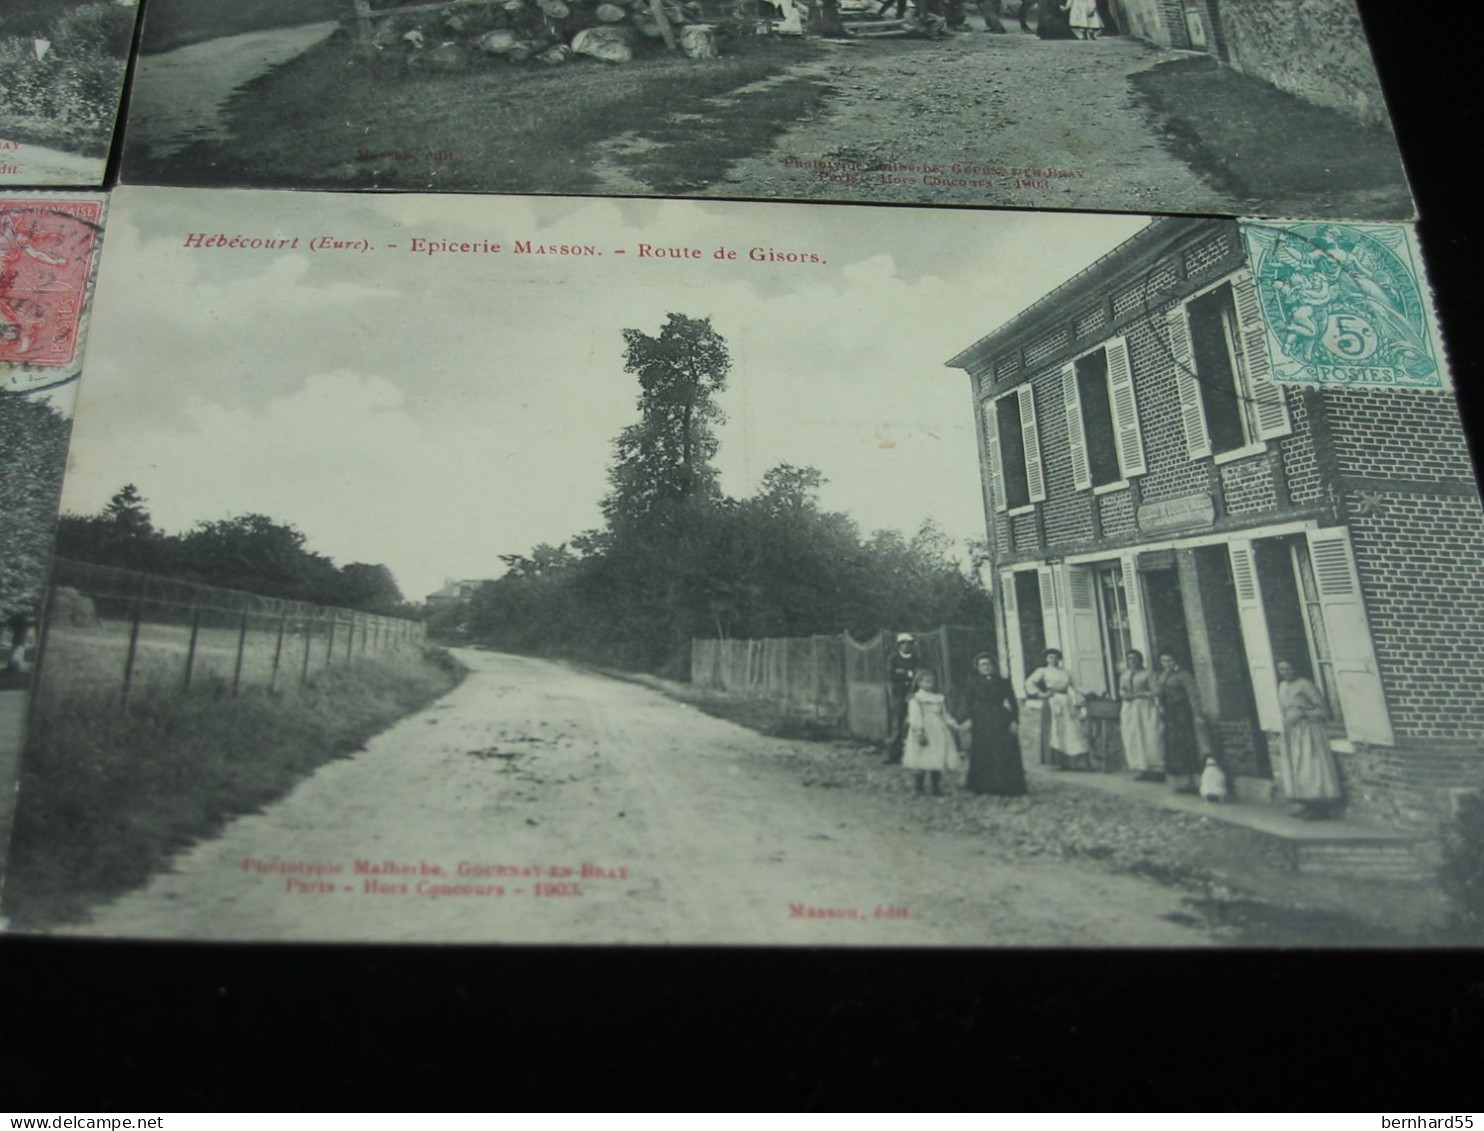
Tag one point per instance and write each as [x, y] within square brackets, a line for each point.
[901, 675]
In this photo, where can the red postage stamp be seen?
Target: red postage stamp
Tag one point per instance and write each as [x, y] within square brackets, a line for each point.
[47, 248]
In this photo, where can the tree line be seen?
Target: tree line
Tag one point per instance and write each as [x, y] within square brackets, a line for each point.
[252, 553]
[677, 559]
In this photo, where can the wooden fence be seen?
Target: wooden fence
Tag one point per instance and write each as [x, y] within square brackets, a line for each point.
[123, 632]
[837, 680]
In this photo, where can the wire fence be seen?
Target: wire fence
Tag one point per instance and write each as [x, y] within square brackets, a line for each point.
[838, 680]
[121, 632]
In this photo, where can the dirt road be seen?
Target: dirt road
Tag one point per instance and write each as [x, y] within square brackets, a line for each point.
[691, 830]
[180, 95]
[982, 102]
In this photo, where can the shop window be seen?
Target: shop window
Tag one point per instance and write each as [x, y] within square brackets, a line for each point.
[1113, 613]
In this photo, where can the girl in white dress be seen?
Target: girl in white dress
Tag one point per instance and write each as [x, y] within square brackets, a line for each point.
[1084, 18]
[931, 748]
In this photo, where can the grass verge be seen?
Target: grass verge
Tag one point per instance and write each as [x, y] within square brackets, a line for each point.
[326, 121]
[109, 794]
[1255, 141]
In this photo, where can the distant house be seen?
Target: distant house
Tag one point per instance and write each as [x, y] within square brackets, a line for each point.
[454, 593]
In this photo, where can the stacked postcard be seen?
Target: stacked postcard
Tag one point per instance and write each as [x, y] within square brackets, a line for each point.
[727, 472]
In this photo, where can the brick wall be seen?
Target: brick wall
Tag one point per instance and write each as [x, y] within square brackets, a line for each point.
[1300, 462]
[1247, 486]
[1117, 512]
[1171, 471]
[1421, 562]
[1411, 785]
[1398, 434]
[1024, 529]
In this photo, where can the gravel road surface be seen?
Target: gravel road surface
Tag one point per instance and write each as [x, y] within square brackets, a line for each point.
[692, 830]
[983, 102]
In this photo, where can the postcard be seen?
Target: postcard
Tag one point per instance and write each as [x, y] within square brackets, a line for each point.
[48, 258]
[1198, 106]
[585, 571]
[64, 63]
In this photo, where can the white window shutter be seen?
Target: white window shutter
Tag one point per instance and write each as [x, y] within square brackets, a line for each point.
[1192, 412]
[1137, 630]
[1050, 620]
[1255, 638]
[1076, 434]
[1357, 674]
[1268, 400]
[1030, 437]
[1014, 650]
[1125, 410]
[1085, 648]
[992, 453]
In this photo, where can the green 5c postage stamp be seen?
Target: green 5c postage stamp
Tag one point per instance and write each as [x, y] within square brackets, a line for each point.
[1344, 304]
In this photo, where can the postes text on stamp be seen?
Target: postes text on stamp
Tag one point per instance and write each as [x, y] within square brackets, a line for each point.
[1344, 304]
[47, 251]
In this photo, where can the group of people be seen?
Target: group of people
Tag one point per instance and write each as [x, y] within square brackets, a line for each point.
[930, 733]
[1162, 725]
[940, 18]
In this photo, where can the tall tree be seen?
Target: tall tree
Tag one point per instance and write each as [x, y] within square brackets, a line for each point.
[666, 457]
[370, 588]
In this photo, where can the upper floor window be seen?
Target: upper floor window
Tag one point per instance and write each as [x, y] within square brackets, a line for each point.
[1102, 417]
[1228, 401]
[1013, 446]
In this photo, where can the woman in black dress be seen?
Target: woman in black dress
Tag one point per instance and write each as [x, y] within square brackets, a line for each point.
[988, 702]
[1186, 745]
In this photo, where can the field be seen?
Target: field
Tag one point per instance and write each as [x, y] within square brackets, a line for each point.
[91, 661]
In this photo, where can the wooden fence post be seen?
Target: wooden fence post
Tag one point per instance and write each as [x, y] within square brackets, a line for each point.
[241, 647]
[133, 645]
[283, 624]
[191, 650]
[308, 641]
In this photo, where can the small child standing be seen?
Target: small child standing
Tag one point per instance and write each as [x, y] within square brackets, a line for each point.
[930, 748]
[1213, 781]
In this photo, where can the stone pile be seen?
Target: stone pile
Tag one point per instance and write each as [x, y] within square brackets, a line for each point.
[469, 35]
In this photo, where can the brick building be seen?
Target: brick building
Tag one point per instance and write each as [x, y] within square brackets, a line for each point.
[1148, 485]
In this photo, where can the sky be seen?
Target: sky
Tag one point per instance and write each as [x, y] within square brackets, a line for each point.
[433, 412]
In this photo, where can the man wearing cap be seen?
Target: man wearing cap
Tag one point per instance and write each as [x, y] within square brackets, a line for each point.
[901, 675]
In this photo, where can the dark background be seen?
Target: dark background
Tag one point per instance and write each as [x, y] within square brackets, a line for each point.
[100, 1026]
